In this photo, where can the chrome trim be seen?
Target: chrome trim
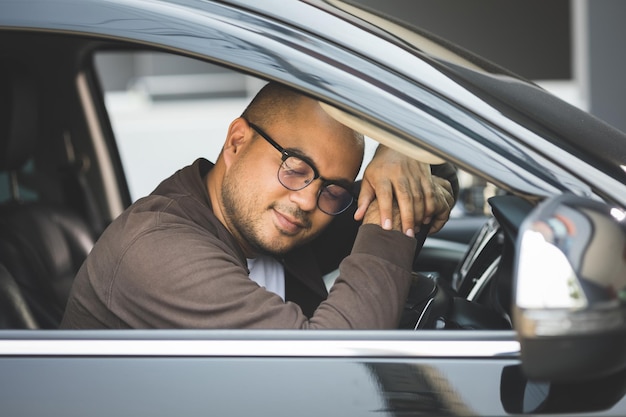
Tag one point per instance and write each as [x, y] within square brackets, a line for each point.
[478, 287]
[486, 234]
[484, 237]
[264, 348]
[419, 320]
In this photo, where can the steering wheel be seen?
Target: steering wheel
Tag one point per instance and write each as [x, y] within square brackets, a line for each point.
[436, 304]
[433, 305]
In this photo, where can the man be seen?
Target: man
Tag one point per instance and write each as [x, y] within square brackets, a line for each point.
[244, 243]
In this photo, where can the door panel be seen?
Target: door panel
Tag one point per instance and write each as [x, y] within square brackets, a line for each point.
[161, 386]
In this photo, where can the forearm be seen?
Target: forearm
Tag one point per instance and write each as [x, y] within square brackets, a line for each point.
[210, 289]
[373, 283]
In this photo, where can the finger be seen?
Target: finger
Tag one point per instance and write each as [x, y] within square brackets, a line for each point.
[410, 194]
[409, 202]
[445, 184]
[437, 224]
[384, 196]
[430, 201]
[446, 197]
[366, 196]
[441, 218]
[445, 202]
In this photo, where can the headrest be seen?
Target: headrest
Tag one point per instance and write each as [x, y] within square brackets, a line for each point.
[19, 114]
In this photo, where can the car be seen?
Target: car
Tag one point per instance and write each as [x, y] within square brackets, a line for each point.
[522, 304]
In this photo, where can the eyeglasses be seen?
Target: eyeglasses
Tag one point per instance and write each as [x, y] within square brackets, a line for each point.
[295, 173]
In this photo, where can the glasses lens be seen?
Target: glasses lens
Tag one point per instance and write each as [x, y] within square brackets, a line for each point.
[295, 174]
[334, 199]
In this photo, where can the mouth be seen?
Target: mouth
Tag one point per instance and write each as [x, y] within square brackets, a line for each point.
[288, 224]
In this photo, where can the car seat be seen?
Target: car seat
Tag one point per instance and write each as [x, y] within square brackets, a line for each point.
[14, 310]
[42, 244]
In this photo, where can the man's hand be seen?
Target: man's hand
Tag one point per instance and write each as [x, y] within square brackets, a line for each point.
[372, 215]
[422, 199]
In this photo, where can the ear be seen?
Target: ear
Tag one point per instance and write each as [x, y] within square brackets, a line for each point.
[239, 135]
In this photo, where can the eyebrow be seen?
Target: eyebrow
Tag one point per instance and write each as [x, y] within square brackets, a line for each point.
[297, 152]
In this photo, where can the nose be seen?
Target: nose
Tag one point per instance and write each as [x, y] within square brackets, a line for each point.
[306, 198]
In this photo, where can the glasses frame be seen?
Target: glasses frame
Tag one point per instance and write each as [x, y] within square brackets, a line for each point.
[286, 155]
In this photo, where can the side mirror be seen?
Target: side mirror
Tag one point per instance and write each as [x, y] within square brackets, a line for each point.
[570, 290]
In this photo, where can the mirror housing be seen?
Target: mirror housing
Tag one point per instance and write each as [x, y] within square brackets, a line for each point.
[570, 290]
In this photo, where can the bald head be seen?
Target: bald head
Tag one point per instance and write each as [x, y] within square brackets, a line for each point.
[276, 103]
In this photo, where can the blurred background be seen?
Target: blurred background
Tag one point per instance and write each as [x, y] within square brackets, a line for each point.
[572, 47]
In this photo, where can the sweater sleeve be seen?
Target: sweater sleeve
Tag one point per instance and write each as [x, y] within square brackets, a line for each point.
[178, 277]
[373, 281]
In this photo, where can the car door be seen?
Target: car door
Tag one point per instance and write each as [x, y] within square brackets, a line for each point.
[235, 372]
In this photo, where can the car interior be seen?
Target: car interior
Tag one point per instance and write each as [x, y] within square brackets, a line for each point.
[43, 241]
[62, 181]
[48, 216]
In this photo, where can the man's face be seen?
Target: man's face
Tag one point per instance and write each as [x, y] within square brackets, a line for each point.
[263, 214]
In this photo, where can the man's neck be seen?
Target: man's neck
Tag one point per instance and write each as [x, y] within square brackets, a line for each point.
[213, 179]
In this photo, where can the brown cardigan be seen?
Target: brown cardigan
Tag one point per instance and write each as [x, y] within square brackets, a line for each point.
[167, 262]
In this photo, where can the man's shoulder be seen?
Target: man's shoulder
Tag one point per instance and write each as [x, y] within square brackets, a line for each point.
[179, 199]
[170, 211]
[156, 222]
